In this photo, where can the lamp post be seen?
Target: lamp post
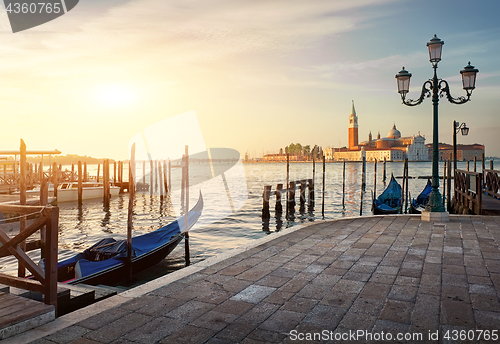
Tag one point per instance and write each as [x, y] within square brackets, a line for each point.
[436, 87]
[465, 131]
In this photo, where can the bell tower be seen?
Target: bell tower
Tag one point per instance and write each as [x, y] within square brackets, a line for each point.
[353, 129]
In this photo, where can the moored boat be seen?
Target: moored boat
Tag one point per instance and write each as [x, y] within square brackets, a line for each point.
[105, 261]
[418, 205]
[68, 192]
[389, 202]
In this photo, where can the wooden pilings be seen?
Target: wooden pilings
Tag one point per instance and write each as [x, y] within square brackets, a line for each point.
[448, 186]
[185, 179]
[265, 202]
[375, 177]
[343, 184]
[323, 189]
[80, 183]
[131, 192]
[384, 174]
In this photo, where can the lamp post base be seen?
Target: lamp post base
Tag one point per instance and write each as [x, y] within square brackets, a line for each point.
[435, 216]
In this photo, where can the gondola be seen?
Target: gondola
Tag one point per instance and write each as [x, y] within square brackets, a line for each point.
[105, 261]
[389, 202]
[418, 205]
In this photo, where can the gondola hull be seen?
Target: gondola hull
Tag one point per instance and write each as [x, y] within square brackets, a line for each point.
[389, 202]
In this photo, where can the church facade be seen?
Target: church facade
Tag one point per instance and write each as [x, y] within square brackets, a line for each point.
[393, 147]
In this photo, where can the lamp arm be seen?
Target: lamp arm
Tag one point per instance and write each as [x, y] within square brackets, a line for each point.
[446, 91]
[426, 92]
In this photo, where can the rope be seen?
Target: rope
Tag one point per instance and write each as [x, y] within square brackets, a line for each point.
[3, 220]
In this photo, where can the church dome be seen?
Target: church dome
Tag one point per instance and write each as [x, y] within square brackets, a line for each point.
[394, 133]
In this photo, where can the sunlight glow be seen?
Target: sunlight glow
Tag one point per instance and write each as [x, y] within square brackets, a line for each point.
[114, 95]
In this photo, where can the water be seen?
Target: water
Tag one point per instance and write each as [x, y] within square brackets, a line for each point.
[81, 227]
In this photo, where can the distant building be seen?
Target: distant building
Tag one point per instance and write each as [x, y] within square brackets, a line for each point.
[281, 157]
[391, 148]
[464, 152]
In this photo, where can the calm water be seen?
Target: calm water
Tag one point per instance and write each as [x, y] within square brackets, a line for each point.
[80, 227]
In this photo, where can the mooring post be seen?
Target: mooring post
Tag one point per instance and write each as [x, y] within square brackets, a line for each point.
[98, 172]
[406, 186]
[278, 208]
[165, 179]
[491, 164]
[72, 179]
[160, 177]
[482, 161]
[105, 180]
[44, 200]
[448, 186]
[21, 271]
[186, 183]
[80, 184]
[474, 163]
[287, 180]
[114, 173]
[143, 174]
[384, 175]
[403, 187]
[323, 190]
[131, 193]
[363, 175]
[444, 182]
[302, 198]
[169, 174]
[265, 201]
[291, 198]
[343, 184]
[85, 172]
[55, 179]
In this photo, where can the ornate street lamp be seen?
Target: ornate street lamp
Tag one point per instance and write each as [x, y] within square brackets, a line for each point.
[436, 87]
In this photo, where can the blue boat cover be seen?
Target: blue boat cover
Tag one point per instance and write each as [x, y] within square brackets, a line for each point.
[391, 197]
[109, 252]
[423, 198]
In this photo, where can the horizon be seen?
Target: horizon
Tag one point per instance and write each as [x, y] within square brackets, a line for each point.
[258, 75]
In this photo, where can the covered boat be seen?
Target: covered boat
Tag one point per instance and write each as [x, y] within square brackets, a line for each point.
[389, 202]
[418, 205]
[105, 262]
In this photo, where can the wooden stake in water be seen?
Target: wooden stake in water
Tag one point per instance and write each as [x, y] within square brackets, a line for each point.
[444, 182]
[468, 165]
[491, 164]
[186, 212]
[384, 176]
[448, 186]
[21, 271]
[131, 193]
[287, 180]
[482, 160]
[55, 179]
[151, 181]
[363, 175]
[323, 195]
[80, 185]
[343, 184]
[375, 177]
[403, 187]
[474, 163]
[98, 170]
[406, 192]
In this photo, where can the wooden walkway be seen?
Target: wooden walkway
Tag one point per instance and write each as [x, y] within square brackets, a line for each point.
[490, 205]
[19, 314]
[358, 277]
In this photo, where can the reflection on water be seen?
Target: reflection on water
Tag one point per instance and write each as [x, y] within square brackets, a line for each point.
[81, 227]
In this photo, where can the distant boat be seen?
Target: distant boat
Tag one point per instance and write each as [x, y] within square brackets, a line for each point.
[68, 191]
[418, 205]
[389, 202]
[105, 261]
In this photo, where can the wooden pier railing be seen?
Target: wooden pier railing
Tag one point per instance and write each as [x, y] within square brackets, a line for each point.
[491, 183]
[44, 281]
[468, 191]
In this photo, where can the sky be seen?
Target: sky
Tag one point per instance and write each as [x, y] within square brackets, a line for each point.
[259, 74]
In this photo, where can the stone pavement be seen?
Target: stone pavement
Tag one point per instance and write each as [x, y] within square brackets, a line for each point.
[388, 274]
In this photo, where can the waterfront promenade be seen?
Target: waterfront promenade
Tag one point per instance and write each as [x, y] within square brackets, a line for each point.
[375, 275]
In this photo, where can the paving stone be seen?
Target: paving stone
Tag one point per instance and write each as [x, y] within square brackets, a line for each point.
[162, 306]
[253, 293]
[236, 332]
[358, 321]
[279, 297]
[457, 313]
[234, 307]
[189, 335]
[382, 278]
[155, 330]
[68, 334]
[267, 336]
[402, 292]
[282, 321]
[215, 296]
[486, 320]
[235, 285]
[257, 314]
[119, 327]
[339, 299]
[367, 305]
[190, 310]
[104, 318]
[299, 304]
[485, 302]
[397, 311]
[214, 320]
[377, 291]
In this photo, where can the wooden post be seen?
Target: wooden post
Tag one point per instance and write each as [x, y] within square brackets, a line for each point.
[444, 182]
[114, 173]
[131, 192]
[323, 195]
[384, 175]
[151, 177]
[80, 184]
[343, 184]
[21, 271]
[375, 177]
[403, 186]
[72, 178]
[278, 207]
[156, 175]
[302, 198]
[144, 172]
[468, 165]
[491, 164]
[44, 195]
[482, 161]
[160, 177]
[85, 179]
[98, 170]
[406, 186]
[448, 186]
[287, 180]
[361, 202]
[363, 175]
[291, 198]
[265, 202]
[105, 180]
[165, 176]
[474, 163]
[51, 248]
[169, 174]
[40, 171]
[186, 234]
[55, 178]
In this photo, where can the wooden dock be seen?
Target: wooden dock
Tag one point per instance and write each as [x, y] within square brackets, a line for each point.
[19, 314]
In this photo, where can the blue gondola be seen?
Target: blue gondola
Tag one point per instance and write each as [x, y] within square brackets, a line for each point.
[418, 205]
[389, 202]
[105, 261]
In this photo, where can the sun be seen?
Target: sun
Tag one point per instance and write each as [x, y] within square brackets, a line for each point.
[114, 95]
